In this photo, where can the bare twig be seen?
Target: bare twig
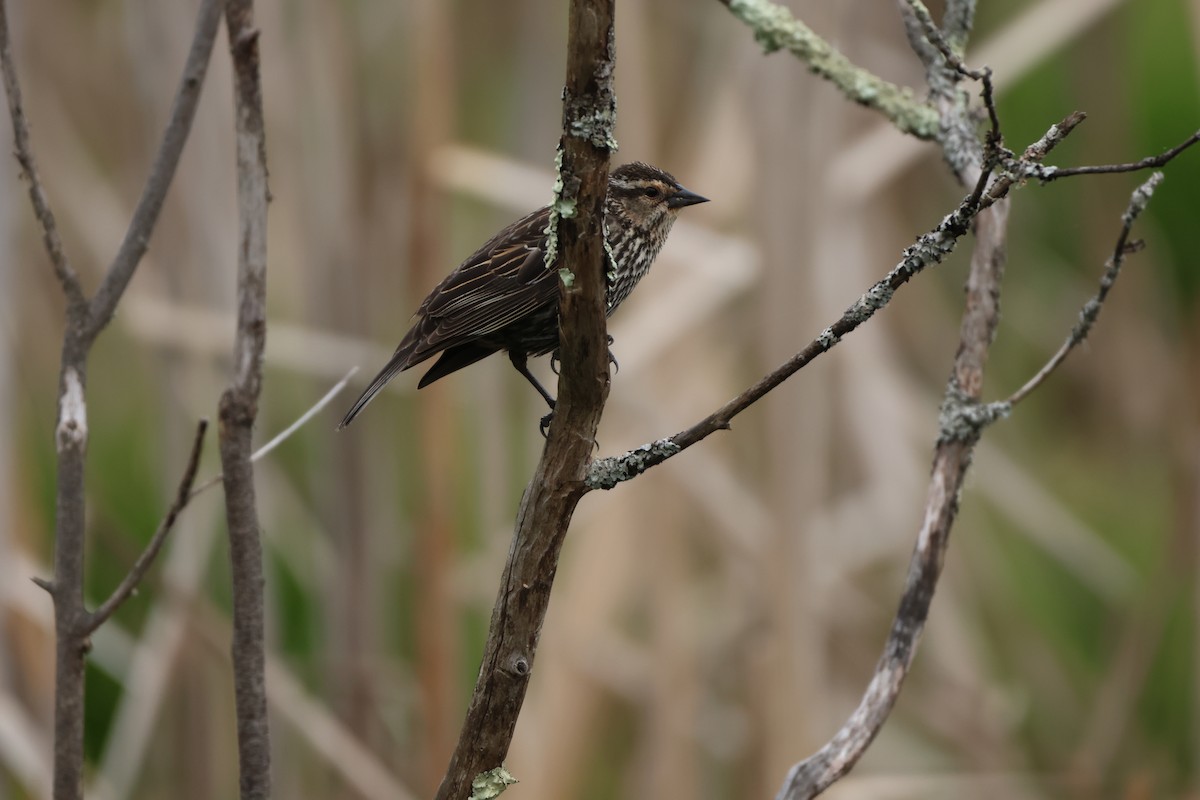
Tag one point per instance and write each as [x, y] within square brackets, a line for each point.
[162, 172]
[63, 270]
[239, 409]
[954, 60]
[931, 248]
[589, 116]
[284, 434]
[183, 496]
[934, 36]
[1091, 310]
[1150, 162]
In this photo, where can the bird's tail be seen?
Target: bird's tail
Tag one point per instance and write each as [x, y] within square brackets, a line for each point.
[399, 362]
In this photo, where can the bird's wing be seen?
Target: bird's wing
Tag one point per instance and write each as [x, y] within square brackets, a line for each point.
[500, 283]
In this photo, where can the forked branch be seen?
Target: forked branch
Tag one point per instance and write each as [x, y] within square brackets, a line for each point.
[929, 249]
[962, 422]
[84, 321]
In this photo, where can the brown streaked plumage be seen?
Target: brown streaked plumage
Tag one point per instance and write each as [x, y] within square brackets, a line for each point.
[504, 297]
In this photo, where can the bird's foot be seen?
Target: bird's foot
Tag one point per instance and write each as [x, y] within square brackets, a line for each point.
[544, 424]
[556, 361]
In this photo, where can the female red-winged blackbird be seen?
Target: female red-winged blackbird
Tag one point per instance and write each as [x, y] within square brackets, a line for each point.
[505, 297]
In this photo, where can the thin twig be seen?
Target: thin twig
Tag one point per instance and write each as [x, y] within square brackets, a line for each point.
[955, 62]
[929, 249]
[67, 277]
[935, 37]
[1151, 162]
[145, 215]
[183, 496]
[1088, 314]
[285, 434]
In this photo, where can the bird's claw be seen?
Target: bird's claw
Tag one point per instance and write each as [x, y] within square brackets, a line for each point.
[611, 358]
[544, 424]
[556, 361]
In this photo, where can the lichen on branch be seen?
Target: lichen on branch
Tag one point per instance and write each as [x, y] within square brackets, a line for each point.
[776, 28]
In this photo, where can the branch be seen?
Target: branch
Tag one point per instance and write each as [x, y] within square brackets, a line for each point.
[962, 420]
[239, 409]
[929, 249]
[965, 14]
[961, 423]
[589, 115]
[162, 172]
[944, 70]
[958, 21]
[1091, 310]
[186, 493]
[285, 434]
[775, 28]
[67, 277]
[183, 496]
[1048, 174]
[84, 320]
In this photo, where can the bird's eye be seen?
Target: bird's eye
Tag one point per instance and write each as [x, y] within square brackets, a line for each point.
[652, 192]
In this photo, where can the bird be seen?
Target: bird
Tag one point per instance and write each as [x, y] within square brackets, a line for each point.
[504, 297]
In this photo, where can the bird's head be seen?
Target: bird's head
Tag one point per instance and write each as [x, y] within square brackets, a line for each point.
[647, 196]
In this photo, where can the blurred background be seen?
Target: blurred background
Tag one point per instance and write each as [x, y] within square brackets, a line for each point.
[717, 619]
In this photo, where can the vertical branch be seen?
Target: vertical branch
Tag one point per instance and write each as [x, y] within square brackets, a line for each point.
[85, 320]
[239, 407]
[589, 113]
[960, 426]
[70, 616]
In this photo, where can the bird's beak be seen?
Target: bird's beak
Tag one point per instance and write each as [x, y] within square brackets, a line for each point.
[684, 198]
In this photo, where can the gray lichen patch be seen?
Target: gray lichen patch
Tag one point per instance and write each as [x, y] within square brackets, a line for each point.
[605, 473]
[558, 204]
[962, 419]
[491, 784]
[595, 125]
